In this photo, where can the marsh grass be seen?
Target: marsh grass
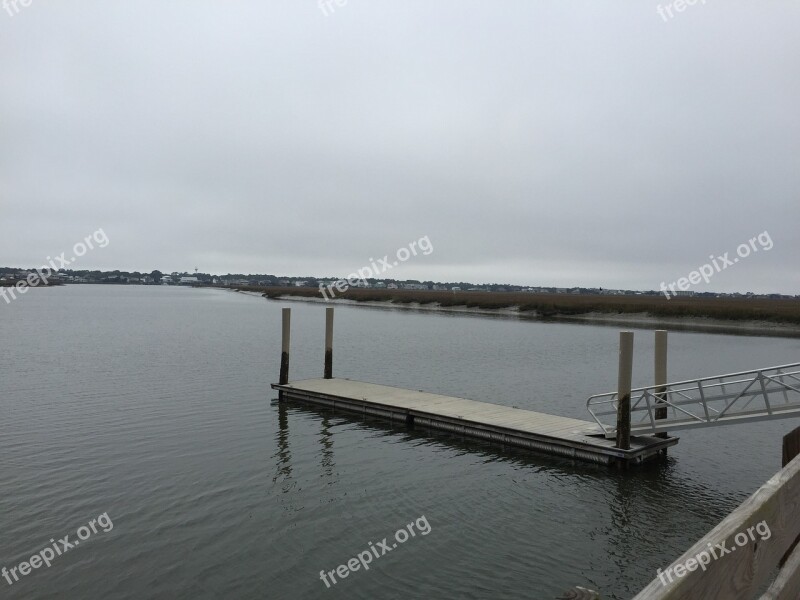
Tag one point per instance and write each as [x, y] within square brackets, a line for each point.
[555, 305]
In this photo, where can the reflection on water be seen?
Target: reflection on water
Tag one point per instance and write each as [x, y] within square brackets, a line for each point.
[326, 441]
[622, 509]
[283, 456]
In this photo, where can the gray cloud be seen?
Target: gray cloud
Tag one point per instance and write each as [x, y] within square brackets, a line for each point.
[533, 142]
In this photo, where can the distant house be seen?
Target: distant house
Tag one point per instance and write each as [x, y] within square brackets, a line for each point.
[189, 280]
[391, 286]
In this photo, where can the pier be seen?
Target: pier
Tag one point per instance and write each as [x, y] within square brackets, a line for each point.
[540, 432]
[630, 425]
[551, 434]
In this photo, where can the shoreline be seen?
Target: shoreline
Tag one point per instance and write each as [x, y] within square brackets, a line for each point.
[639, 319]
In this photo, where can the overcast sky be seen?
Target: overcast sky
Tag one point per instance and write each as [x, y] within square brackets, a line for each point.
[533, 142]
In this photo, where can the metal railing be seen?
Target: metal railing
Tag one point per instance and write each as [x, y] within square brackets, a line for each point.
[720, 400]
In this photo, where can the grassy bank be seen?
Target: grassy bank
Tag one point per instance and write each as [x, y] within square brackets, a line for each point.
[39, 284]
[555, 305]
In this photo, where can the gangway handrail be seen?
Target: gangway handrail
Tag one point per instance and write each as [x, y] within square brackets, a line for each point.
[722, 390]
[650, 387]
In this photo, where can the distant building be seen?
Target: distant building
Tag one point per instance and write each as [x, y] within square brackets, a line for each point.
[190, 280]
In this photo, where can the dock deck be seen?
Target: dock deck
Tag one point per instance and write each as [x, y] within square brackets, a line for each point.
[550, 434]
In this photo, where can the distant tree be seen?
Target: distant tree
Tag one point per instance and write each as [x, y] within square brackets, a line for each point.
[157, 275]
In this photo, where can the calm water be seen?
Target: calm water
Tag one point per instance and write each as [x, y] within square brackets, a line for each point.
[152, 404]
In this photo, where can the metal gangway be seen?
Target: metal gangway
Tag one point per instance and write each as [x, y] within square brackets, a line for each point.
[758, 395]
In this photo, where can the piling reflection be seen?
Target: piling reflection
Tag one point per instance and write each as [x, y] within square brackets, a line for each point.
[326, 441]
[492, 451]
[283, 455]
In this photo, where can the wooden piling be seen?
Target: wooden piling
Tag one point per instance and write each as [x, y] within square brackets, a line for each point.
[791, 446]
[329, 343]
[660, 379]
[624, 377]
[286, 326]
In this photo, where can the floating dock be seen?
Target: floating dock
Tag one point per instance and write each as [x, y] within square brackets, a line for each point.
[550, 434]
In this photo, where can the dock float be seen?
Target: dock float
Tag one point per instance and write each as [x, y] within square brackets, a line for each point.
[550, 434]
